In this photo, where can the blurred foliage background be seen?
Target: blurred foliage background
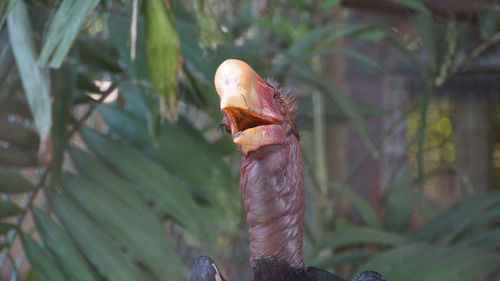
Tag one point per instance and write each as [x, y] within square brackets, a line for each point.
[112, 168]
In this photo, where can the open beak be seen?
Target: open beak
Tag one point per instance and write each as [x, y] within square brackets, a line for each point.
[246, 100]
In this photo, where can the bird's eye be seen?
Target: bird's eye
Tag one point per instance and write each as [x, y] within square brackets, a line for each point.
[224, 127]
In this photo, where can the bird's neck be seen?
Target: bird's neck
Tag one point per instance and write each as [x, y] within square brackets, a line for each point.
[272, 186]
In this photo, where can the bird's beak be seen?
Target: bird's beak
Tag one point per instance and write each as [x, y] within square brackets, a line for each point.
[247, 101]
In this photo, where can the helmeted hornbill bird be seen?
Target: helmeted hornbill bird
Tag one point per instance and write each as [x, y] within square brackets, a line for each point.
[261, 119]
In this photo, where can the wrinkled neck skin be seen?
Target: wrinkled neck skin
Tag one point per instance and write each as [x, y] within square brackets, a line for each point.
[272, 186]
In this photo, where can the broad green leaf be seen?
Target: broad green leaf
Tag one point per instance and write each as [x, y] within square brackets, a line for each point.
[163, 53]
[7, 209]
[487, 239]
[15, 157]
[322, 38]
[63, 83]
[67, 256]
[402, 46]
[465, 265]
[137, 70]
[151, 180]
[343, 257]
[371, 32]
[12, 182]
[281, 26]
[457, 218]
[367, 212]
[345, 104]
[20, 35]
[97, 171]
[5, 8]
[19, 136]
[400, 202]
[97, 53]
[7, 60]
[99, 248]
[195, 161]
[210, 34]
[414, 4]
[352, 54]
[6, 227]
[63, 29]
[85, 83]
[326, 4]
[41, 262]
[427, 31]
[134, 226]
[489, 22]
[440, 263]
[391, 259]
[355, 235]
[310, 39]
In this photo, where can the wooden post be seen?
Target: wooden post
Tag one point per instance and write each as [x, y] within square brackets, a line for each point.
[473, 127]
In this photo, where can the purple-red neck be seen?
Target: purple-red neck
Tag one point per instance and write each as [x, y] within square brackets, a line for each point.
[272, 186]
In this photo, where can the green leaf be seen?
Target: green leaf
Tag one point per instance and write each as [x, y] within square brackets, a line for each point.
[367, 212]
[487, 239]
[402, 46]
[164, 57]
[7, 61]
[5, 8]
[489, 22]
[68, 258]
[13, 182]
[414, 4]
[132, 225]
[41, 262]
[151, 180]
[137, 70]
[326, 4]
[465, 265]
[195, 161]
[63, 29]
[98, 53]
[63, 83]
[7, 209]
[342, 258]
[20, 35]
[355, 235]
[400, 202]
[210, 34]
[19, 136]
[391, 259]
[426, 29]
[345, 105]
[440, 263]
[6, 227]
[13, 156]
[456, 219]
[99, 248]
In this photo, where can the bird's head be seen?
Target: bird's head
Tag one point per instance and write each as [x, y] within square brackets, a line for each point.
[255, 112]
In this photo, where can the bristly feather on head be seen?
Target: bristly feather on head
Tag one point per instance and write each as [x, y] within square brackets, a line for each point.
[288, 101]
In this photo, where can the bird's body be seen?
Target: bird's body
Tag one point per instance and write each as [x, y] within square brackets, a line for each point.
[261, 120]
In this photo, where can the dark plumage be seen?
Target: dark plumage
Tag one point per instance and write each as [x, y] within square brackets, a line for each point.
[204, 269]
